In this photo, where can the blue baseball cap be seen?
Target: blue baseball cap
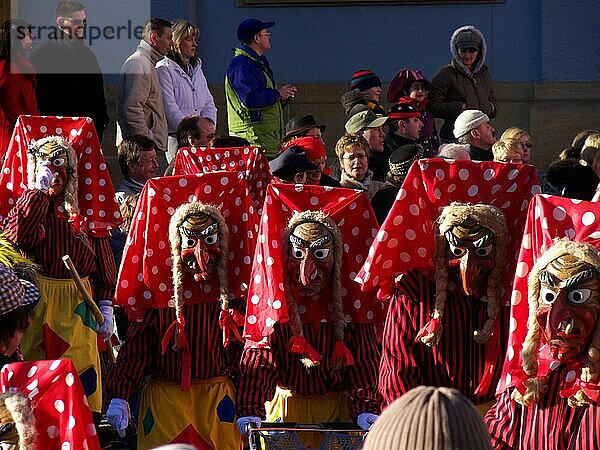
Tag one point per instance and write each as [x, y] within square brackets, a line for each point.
[249, 27]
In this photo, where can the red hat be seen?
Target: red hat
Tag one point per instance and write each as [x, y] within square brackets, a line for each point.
[400, 84]
[96, 194]
[404, 109]
[314, 148]
[145, 278]
[60, 411]
[355, 219]
[249, 162]
[548, 218]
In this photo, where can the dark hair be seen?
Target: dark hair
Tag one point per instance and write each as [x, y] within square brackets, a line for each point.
[229, 141]
[13, 321]
[12, 32]
[155, 25]
[573, 179]
[188, 128]
[129, 150]
[67, 7]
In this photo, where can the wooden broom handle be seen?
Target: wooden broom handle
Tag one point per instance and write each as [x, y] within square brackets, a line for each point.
[89, 301]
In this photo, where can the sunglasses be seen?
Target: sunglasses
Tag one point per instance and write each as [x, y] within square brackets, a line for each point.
[76, 22]
[467, 50]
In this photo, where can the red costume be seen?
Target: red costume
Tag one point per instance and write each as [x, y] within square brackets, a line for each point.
[406, 244]
[548, 420]
[288, 331]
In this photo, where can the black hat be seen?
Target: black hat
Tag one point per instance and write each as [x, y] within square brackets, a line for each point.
[404, 109]
[297, 125]
[290, 162]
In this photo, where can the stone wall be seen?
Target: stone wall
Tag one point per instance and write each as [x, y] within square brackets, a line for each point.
[552, 112]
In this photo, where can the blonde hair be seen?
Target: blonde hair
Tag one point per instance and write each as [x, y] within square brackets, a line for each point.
[182, 29]
[504, 148]
[513, 133]
[590, 152]
[348, 142]
[19, 411]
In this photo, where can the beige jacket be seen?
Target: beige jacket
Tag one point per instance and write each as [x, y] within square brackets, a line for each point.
[140, 108]
[368, 185]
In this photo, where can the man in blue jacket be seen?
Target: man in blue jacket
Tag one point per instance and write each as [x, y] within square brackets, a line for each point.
[253, 100]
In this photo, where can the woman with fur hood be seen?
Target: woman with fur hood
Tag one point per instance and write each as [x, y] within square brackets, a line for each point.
[465, 83]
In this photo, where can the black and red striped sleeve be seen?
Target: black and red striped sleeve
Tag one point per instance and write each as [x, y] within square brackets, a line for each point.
[104, 276]
[362, 377]
[22, 226]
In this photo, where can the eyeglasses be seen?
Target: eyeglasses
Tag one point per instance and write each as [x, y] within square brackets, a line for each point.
[354, 157]
[76, 22]
[467, 50]
[266, 33]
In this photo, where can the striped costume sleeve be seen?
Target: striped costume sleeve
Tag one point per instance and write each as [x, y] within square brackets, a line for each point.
[362, 376]
[136, 356]
[104, 277]
[22, 225]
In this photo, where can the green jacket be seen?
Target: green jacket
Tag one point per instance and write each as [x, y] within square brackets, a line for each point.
[253, 102]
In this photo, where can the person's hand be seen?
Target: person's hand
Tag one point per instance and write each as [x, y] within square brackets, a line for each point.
[43, 178]
[243, 423]
[118, 415]
[106, 329]
[365, 420]
[287, 92]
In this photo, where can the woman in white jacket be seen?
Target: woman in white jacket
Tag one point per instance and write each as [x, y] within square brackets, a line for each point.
[184, 87]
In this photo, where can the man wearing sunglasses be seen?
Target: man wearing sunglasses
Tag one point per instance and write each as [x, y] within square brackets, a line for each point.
[69, 78]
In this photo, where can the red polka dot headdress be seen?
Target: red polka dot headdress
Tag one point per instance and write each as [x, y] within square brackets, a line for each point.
[145, 277]
[355, 220]
[60, 410]
[406, 240]
[549, 218]
[248, 162]
[99, 212]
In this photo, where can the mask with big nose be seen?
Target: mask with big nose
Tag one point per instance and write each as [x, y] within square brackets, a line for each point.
[569, 306]
[200, 246]
[471, 256]
[310, 258]
[53, 158]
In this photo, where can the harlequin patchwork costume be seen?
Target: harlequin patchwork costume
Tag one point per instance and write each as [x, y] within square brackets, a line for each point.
[549, 391]
[250, 163]
[187, 265]
[43, 403]
[313, 352]
[451, 235]
[57, 198]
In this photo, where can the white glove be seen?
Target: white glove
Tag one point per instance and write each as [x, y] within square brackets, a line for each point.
[118, 415]
[365, 420]
[106, 329]
[43, 178]
[244, 422]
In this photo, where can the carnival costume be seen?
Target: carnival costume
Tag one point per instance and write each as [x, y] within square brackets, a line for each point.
[312, 353]
[447, 321]
[57, 198]
[46, 407]
[182, 291]
[250, 163]
[549, 390]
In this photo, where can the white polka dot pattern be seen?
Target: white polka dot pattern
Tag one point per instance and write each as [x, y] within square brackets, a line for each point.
[352, 212]
[145, 280]
[249, 163]
[96, 192]
[62, 418]
[406, 239]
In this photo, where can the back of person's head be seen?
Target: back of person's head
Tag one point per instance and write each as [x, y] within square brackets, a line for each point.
[429, 418]
[155, 25]
[11, 33]
[228, 141]
[454, 151]
[590, 152]
[129, 150]
[574, 179]
[67, 7]
[574, 151]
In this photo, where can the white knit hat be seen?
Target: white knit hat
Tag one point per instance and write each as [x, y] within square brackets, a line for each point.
[467, 120]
